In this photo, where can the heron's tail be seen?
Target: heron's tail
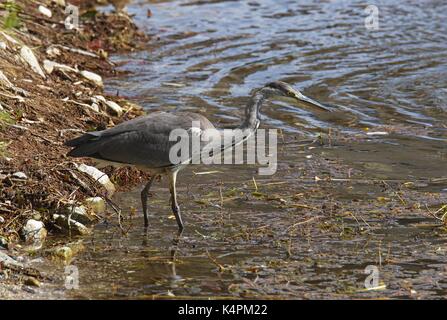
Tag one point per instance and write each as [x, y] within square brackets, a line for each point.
[85, 145]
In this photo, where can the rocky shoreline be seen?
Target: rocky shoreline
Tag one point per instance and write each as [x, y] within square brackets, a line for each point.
[51, 89]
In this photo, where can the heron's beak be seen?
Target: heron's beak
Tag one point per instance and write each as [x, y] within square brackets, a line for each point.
[302, 98]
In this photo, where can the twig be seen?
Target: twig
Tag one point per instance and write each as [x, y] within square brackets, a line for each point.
[214, 261]
[302, 222]
[43, 138]
[435, 214]
[118, 212]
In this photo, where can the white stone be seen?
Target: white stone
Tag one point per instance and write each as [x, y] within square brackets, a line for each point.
[28, 56]
[99, 176]
[3, 45]
[45, 11]
[65, 253]
[9, 38]
[49, 66]
[95, 78]
[94, 107]
[34, 231]
[100, 98]
[114, 108]
[20, 175]
[53, 52]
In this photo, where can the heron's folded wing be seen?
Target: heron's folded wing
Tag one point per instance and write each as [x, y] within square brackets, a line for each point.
[142, 141]
[134, 147]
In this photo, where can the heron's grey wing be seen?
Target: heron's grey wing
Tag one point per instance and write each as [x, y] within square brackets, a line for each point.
[141, 141]
[131, 125]
[131, 147]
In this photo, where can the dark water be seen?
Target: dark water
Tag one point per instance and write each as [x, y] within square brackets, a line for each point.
[361, 198]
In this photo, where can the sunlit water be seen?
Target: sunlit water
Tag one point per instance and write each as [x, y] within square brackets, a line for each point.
[206, 57]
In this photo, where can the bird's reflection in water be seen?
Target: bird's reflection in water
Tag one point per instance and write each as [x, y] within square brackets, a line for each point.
[173, 250]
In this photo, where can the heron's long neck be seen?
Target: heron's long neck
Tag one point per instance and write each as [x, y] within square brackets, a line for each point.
[252, 116]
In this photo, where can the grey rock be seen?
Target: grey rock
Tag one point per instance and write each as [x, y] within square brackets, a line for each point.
[69, 225]
[79, 214]
[96, 204]
[34, 232]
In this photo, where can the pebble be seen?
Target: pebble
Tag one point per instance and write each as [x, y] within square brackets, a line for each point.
[31, 281]
[99, 98]
[28, 55]
[50, 66]
[74, 227]
[20, 175]
[114, 108]
[95, 78]
[64, 253]
[94, 107]
[45, 11]
[99, 176]
[96, 204]
[34, 231]
[53, 52]
[79, 213]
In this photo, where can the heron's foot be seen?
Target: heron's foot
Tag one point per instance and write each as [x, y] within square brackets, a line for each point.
[146, 224]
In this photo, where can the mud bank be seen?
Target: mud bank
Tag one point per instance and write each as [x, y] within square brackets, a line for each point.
[51, 89]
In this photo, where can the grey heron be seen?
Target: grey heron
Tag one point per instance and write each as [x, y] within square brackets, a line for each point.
[144, 142]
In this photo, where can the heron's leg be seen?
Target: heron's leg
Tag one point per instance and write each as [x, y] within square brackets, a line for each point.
[174, 204]
[144, 195]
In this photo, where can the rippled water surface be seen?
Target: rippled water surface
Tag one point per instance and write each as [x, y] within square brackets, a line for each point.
[361, 194]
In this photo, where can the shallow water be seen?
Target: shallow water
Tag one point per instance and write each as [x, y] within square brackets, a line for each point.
[291, 235]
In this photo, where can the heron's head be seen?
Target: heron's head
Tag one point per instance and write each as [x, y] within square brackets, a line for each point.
[279, 88]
